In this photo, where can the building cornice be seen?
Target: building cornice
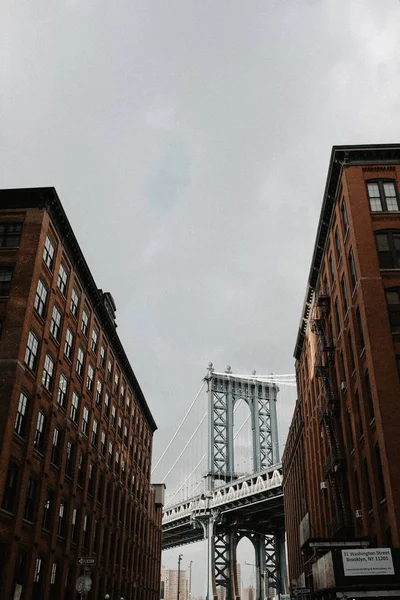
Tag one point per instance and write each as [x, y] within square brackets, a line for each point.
[341, 157]
[47, 199]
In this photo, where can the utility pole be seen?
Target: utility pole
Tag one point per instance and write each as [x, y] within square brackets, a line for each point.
[179, 574]
[190, 580]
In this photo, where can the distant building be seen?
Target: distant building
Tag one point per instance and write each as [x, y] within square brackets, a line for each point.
[249, 593]
[75, 429]
[169, 584]
[341, 467]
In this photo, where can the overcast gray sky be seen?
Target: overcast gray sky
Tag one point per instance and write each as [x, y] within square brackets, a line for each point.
[189, 143]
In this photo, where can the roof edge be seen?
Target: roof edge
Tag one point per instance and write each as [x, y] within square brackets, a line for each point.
[342, 156]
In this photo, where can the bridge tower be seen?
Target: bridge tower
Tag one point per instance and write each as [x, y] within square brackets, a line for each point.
[224, 390]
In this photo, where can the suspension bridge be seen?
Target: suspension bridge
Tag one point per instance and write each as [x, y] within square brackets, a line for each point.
[224, 483]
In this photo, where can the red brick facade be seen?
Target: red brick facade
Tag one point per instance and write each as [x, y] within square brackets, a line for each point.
[75, 429]
[344, 440]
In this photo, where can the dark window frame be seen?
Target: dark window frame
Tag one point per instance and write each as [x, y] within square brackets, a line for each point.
[22, 416]
[382, 196]
[390, 258]
[393, 309]
[49, 252]
[11, 230]
[6, 275]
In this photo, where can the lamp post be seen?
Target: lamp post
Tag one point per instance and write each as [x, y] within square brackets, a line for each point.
[190, 580]
[179, 574]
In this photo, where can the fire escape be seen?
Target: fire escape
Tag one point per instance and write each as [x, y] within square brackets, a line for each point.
[334, 468]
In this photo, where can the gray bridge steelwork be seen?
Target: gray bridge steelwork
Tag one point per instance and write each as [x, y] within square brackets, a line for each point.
[236, 507]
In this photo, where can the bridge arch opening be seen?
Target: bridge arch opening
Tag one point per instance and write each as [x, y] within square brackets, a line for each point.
[242, 439]
[246, 561]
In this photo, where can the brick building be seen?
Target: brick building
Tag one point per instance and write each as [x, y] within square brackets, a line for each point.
[341, 465]
[75, 429]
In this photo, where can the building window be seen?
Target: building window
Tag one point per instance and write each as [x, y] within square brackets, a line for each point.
[40, 298]
[126, 436]
[113, 416]
[89, 380]
[74, 528]
[21, 419]
[360, 330]
[91, 479]
[55, 324]
[360, 423]
[31, 351]
[99, 388]
[106, 404]
[81, 470]
[393, 304]
[102, 357]
[38, 568]
[120, 426]
[74, 303]
[338, 246]
[116, 382]
[382, 196]
[109, 370]
[74, 414]
[86, 528]
[367, 485]
[379, 472]
[10, 235]
[56, 447]
[62, 518]
[69, 344]
[353, 272]
[62, 391]
[48, 370]
[351, 355]
[53, 574]
[62, 279]
[30, 503]
[345, 219]
[350, 429]
[95, 432]
[80, 360]
[85, 323]
[331, 268]
[337, 316]
[38, 442]
[110, 453]
[103, 443]
[48, 254]
[344, 294]
[368, 391]
[69, 459]
[93, 343]
[122, 395]
[48, 510]
[85, 420]
[8, 502]
[5, 280]
[388, 245]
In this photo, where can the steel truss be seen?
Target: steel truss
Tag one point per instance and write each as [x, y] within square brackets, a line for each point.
[224, 390]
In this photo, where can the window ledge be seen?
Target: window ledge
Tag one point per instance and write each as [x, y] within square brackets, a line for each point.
[362, 353]
[383, 501]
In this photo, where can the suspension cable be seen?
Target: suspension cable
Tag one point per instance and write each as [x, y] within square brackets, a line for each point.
[179, 428]
[186, 445]
[204, 456]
